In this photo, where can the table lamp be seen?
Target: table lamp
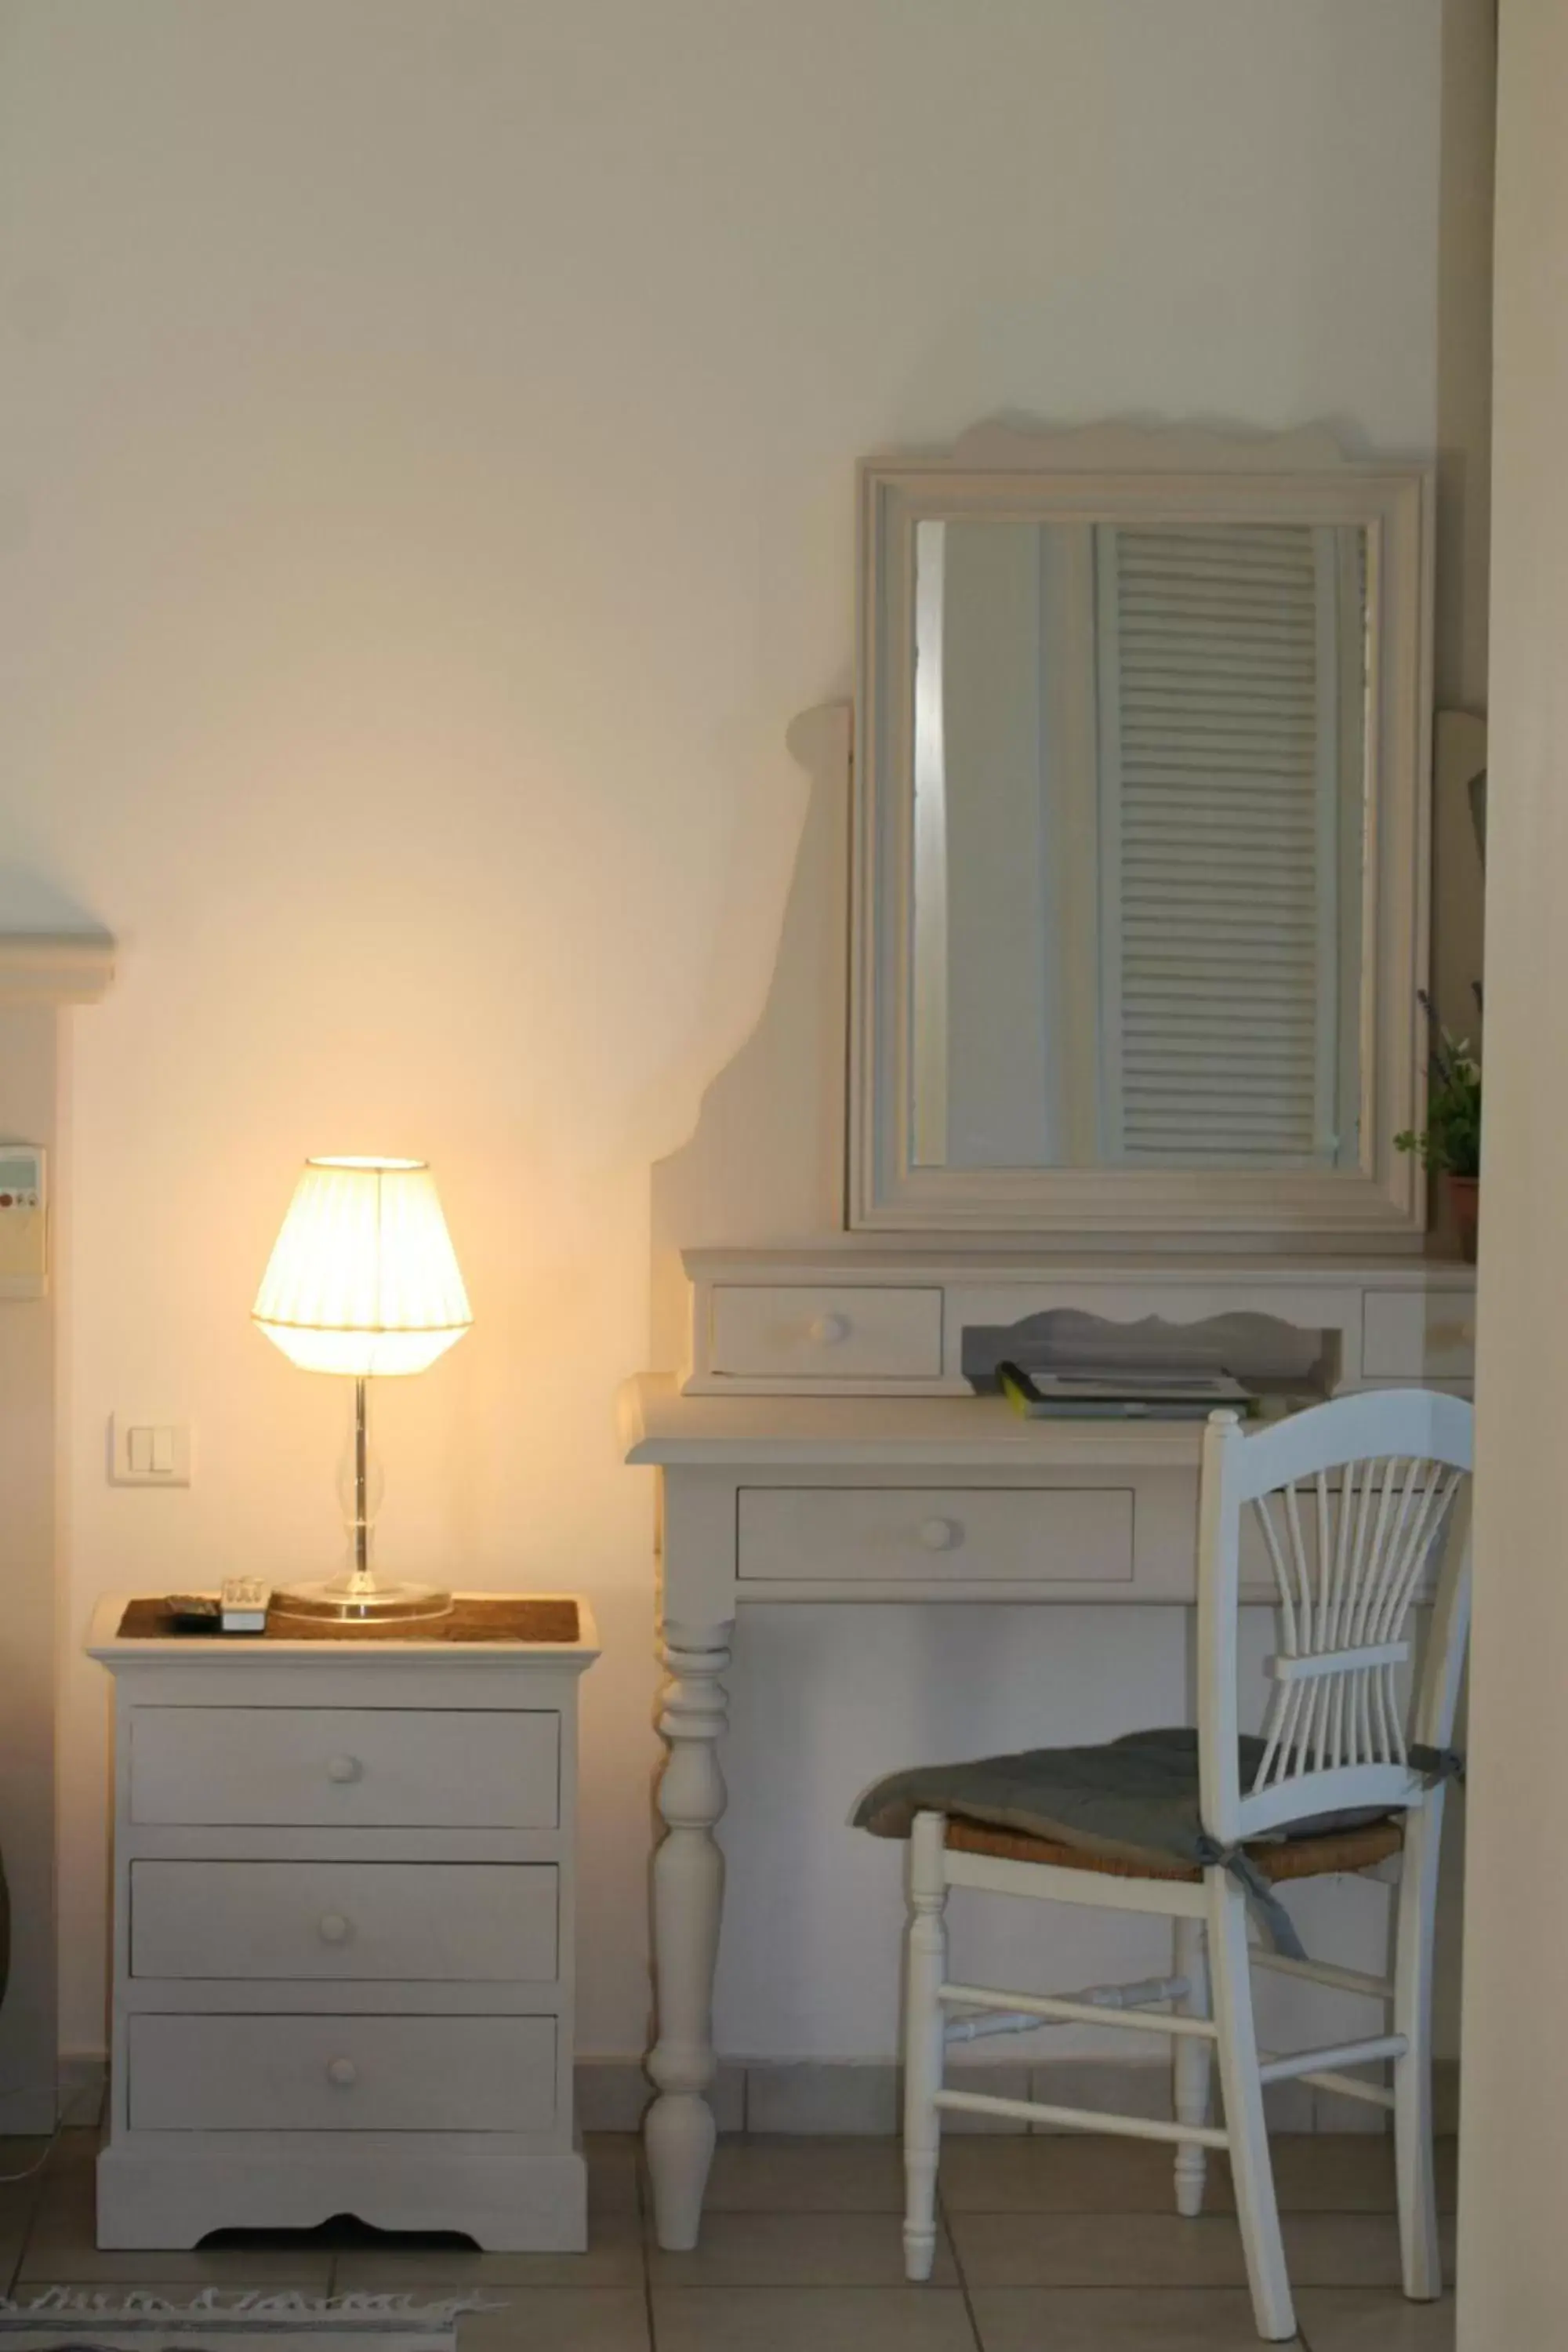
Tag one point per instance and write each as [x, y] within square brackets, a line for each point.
[363, 1281]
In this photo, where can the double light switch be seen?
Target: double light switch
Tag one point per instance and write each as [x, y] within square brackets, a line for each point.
[147, 1453]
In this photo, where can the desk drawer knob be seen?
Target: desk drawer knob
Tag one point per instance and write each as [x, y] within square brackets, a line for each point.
[829, 1331]
[342, 2073]
[940, 1535]
[333, 1927]
[343, 1767]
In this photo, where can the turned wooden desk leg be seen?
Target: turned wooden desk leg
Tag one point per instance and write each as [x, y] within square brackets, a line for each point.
[687, 1899]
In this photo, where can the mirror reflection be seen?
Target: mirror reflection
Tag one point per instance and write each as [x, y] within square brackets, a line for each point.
[1140, 821]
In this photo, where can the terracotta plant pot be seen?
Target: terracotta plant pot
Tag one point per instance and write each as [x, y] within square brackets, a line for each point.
[1465, 1192]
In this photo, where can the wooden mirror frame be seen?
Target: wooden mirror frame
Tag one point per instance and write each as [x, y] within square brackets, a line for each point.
[1111, 473]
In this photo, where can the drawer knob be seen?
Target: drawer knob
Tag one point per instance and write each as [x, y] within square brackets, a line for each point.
[343, 1767]
[829, 1331]
[342, 2073]
[940, 1535]
[333, 1927]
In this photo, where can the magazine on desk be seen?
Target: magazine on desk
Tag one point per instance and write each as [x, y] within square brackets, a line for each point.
[1121, 1396]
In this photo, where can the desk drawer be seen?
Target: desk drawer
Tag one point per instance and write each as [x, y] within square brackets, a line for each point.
[836, 1333]
[1053, 1534]
[1418, 1335]
[432, 1922]
[341, 2073]
[345, 1768]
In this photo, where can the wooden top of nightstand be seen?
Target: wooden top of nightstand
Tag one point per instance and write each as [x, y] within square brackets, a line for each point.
[549, 1624]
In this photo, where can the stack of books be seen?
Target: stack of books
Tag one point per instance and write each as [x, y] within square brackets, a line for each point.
[1122, 1396]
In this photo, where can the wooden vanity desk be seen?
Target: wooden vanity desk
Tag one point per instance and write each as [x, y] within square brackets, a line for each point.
[855, 1224]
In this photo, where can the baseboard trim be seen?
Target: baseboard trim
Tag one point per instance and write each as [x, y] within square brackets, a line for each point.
[854, 2097]
[83, 2083]
[860, 2097]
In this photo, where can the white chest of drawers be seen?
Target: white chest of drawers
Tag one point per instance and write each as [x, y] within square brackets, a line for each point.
[342, 1964]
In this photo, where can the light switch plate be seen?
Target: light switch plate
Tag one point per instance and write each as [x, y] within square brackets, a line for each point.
[148, 1449]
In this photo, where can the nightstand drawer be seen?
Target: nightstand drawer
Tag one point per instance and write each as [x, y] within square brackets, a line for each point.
[472, 1923]
[1023, 1535]
[341, 2073]
[350, 1768]
[831, 1334]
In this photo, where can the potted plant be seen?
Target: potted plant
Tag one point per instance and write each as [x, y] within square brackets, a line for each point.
[1449, 1145]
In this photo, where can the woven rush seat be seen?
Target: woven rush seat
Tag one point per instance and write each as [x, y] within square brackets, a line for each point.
[1302, 1857]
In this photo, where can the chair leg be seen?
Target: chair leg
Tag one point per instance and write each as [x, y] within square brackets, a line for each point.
[923, 2041]
[1251, 2170]
[1420, 2258]
[1190, 2065]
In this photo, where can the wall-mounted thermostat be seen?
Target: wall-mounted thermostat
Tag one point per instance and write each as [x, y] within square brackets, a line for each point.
[24, 1206]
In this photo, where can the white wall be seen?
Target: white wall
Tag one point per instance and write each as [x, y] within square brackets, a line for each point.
[428, 434]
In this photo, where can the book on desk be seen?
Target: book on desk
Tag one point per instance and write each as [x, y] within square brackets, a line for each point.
[1062, 1395]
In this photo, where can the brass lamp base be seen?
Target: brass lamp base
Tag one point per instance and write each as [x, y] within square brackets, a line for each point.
[347, 1603]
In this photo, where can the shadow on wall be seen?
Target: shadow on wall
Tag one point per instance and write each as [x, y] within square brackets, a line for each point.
[765, 1155]
[32, 904]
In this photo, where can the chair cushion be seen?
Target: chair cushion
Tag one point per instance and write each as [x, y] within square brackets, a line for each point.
[1133, 1801]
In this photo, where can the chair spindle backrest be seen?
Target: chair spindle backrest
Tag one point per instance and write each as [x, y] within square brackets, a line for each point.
[1349, 1499]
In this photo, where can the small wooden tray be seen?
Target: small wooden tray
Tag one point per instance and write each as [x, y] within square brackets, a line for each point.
[505, 1618]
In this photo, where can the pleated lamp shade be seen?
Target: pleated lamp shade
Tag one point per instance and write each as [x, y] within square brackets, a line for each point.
[363, 1278]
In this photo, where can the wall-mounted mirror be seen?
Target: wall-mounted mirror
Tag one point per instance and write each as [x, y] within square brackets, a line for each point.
[1140, 841]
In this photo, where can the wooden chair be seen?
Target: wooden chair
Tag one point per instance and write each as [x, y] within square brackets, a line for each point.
[1347, 1556]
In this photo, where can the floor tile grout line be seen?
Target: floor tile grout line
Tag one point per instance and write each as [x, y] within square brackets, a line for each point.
[35, 2206]
[642, 2184]
[31, 2204]
[961, 2276]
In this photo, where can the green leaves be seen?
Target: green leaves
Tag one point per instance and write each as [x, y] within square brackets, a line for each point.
[1451, 1141]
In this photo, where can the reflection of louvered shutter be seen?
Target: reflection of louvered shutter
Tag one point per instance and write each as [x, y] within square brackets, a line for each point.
[1216, 651]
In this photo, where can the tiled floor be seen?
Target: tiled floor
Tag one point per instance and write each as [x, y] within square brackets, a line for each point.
[1045, 2242]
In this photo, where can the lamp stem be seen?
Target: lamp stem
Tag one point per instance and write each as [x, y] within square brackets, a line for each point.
[361, 1579]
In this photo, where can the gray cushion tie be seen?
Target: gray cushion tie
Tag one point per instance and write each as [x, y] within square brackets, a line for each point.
[1261, 1900]
[1436, 1765]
